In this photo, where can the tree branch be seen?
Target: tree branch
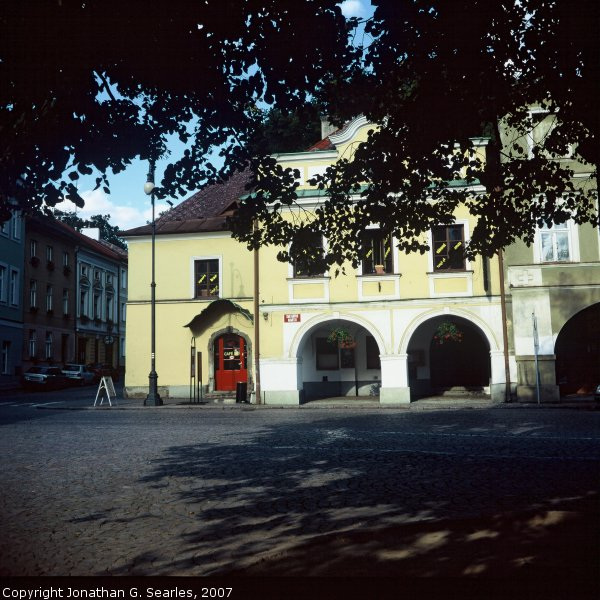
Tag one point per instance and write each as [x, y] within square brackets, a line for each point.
[105, 85]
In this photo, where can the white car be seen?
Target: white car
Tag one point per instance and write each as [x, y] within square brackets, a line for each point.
[79, 374]
[43, 377]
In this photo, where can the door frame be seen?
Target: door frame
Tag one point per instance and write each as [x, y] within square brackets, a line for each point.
[211, 358]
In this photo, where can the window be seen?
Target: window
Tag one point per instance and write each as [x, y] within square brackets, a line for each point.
[14, 287]
[5, 357]
[65, 301]
[543, 125]
[3, 284]
[49, 294]
[33, 293]
[373, 361]
[448, 248]
[206, 277]
[327, 355]
[84, 271]
[96, 275]
[97, 306]
[16, 222]
[378, 257]
[32, 343]
[555, 243]
[109, 308]
[5, 228]
[49, 345]
[109, 279]
[32, 248]
[83, 301]
[64, 347]
[123, 311]
[123, 279]
[49, 254]
[65, 259]
[314, 241]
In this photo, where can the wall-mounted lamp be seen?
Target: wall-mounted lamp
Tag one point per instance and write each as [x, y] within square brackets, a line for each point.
[265, 316]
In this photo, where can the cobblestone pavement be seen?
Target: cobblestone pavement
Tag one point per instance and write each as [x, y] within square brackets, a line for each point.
[249, 491]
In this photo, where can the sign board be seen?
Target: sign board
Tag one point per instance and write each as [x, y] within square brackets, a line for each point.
[106, 386]
[291, 318]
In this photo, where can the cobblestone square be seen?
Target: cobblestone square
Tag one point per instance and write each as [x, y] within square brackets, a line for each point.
[250, 491]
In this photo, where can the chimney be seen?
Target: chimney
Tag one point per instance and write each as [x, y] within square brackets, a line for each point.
[326, 128]
[91, 232]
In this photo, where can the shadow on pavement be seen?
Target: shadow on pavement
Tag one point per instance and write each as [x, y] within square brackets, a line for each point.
[334, 499]
[535, 544]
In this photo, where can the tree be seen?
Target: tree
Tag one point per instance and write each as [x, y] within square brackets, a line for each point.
[279, 131]
[435, 75]
[108, 232]
[89, 86]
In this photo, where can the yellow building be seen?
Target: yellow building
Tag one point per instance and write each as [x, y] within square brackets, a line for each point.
[396, 307]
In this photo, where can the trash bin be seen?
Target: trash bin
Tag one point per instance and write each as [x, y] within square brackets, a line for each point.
[241, 392]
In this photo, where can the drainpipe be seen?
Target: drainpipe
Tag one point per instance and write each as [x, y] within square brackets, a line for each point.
[495, 182]
[507, 391]
[118, 317]
[76, 306]
[257, 397]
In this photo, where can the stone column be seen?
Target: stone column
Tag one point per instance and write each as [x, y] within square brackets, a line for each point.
[394, 379]
[281, 380]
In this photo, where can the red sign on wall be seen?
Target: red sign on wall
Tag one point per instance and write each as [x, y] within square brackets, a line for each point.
[291, 318]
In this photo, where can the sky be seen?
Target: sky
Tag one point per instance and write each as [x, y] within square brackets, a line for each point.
[127, 205]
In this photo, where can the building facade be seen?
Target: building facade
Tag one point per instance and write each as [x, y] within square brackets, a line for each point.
[12, 241]
[74, 297]
[49, 293]
[553, 289]
[393, 307]
[101, 283]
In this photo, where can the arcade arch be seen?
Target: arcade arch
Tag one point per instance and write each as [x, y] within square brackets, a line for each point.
[327, 369]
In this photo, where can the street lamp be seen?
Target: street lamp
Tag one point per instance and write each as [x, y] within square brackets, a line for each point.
[153, 397]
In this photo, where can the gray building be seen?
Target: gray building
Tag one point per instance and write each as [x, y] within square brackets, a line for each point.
[12, 240]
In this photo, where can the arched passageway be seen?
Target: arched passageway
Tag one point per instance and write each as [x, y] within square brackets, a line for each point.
[577, 351]
[448, 353]
[331, 368]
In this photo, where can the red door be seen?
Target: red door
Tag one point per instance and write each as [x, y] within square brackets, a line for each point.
[230, 362]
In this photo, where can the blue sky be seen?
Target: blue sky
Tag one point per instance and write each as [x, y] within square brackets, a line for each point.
[127, 204]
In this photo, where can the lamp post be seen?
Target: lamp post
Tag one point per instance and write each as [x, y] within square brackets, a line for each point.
[153, 397]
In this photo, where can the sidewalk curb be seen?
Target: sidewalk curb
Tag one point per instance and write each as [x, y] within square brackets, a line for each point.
[581, 406]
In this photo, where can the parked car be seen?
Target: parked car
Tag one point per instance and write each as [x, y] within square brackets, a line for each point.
[44, 378]
[104, 370]
[79, 374]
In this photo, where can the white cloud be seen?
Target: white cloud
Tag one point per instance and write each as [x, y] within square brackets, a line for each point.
[122, 215]
[353, 8]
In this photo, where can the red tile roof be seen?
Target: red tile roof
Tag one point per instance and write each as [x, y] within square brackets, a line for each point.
[204, 211]
[78, 238]
[324, 144]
